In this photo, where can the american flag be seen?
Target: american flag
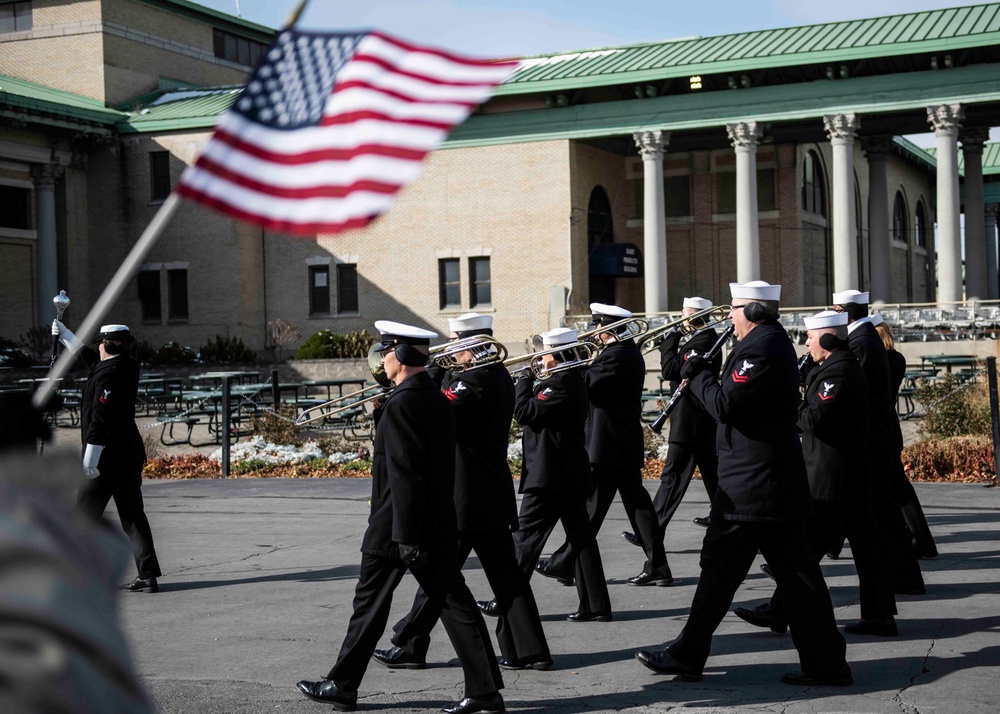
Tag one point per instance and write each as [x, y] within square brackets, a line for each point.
[330, 126]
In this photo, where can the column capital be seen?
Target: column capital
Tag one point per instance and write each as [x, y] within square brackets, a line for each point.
[973, 137]
[946, 118]
[841, 126]
[745, 134]
[876, 146]
[651, 144]
[45, 175]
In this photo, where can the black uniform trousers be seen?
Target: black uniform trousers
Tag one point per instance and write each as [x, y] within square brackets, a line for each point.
[904, 568]
[541, 509]
[125, 486]
[442, 580]
[726, 556]
[858, 521]
[678, 468]
[913, 514]
[519, 627]
[638, 508]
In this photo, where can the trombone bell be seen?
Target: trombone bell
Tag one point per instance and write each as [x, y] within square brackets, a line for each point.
[468, 353]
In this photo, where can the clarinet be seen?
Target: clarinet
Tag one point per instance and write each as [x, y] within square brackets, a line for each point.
[656, 426]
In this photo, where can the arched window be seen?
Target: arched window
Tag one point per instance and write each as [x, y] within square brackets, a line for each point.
[600, 226]
[899, 227]
[813, 186]
[920, 226]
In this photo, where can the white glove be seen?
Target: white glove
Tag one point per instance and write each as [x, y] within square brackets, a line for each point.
[64, 334]
[91, 457]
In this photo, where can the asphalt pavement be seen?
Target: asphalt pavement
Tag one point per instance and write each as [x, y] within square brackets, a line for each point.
[260, 575]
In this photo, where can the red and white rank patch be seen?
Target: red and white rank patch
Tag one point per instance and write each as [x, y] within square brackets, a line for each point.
[454, 391]
[545, 393]
[827, 391]
[106, 397]
[742, 373]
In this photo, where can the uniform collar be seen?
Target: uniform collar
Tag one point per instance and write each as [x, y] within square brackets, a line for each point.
[858, 323]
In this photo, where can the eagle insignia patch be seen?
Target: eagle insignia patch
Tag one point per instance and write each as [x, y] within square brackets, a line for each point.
[545, 393]
[742, 374]
[104, 398]
[827, 391]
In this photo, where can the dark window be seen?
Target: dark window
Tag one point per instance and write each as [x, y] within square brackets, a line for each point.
[159, 175]
[319, 289]
[725, 183]
[677, 196]
[15, 17]
[347, 288]
[479, 282]
[765, 190]
[149, 295]
[177, 294]
[236, 49]
[813, 187]
[920, 226]
[899, 218]
[16, 211]
[448, 283]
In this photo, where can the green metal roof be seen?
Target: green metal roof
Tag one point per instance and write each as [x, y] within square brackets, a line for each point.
[19, 97]
[182, 109]
[931, 31]
[991, 159]
[221, 20]
[909, 91]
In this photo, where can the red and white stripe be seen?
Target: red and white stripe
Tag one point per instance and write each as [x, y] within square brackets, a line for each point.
[392, 103]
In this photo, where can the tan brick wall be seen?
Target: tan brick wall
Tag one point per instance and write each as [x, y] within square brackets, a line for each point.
[133, 68]
[159, 22]
[71, 64]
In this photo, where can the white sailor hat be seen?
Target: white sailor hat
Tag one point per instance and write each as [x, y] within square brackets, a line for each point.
[113, 332]
[877, 319]
[755, 290]
[825, 319]
[849, 296]
[602, 310]
[470, 321]
[559, 336]
[398, 332]
[697, 303]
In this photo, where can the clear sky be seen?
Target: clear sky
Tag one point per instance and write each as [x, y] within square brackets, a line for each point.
[504, 28]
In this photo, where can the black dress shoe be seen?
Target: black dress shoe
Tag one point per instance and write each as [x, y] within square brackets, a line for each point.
[840, 678]
[489, 607]
[142, 585]
[662, 578]
[597, 616]
[543, 661]
[880, 626]
[395, 658]
[766, 569]
[632, 538]
[927, 554]
[328, 692]
[542, 568]
[701, 521]
[663, 663]
[761, 616]
[470, 705]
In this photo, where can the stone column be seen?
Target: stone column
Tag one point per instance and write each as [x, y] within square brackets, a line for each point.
[744, 137]
[972, 139]
[651, 145]
[842, 128]
[44, 176]
[992, 274]
[876, 148]
[946, 119]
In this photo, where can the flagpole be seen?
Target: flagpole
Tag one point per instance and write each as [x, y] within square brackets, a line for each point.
[111, 293]
[296, 13]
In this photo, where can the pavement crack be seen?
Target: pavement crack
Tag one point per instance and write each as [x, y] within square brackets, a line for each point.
[924, 669]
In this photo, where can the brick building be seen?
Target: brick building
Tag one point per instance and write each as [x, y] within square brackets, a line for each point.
[635, 175]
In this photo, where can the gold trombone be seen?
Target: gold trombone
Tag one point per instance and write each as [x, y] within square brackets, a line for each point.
[629, 327]
[354, 400]
[484, 350]
[711, 316]
[579, 354]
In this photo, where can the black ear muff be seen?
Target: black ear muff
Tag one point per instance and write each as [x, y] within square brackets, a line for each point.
[408, 355]
[830, 342]
[754, 312]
